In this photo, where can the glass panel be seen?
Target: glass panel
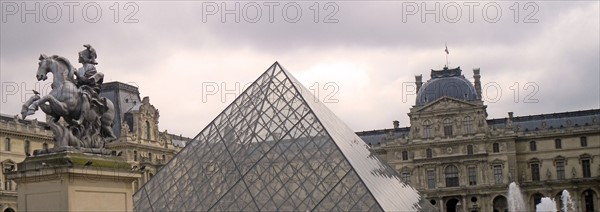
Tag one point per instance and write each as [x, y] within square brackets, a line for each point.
[276, 148]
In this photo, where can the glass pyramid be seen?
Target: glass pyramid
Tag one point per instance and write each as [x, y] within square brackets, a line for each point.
[277, 148]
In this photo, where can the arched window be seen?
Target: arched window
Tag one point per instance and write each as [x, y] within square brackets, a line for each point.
[7, 144]
[447, 127]
[496, 147]
[45, 146]
[404, 155]
[468, 125]
[428, 129]
[557, 143]
[469, 149]
[588, 200]
[429, 153]
[532, 146]
[147, 130]
[135, 156]
[27, 147]
[537, 199]
[451, 176]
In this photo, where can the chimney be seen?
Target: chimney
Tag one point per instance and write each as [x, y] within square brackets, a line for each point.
[419, 81]
[477, 82]
[396, 124]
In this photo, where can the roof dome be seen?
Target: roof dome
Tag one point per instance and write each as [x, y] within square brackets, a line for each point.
[446, 82]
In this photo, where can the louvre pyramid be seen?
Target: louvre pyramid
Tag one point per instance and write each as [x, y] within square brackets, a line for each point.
[276, 148]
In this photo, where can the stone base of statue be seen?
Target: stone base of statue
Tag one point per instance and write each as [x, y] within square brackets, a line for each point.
[71, 181]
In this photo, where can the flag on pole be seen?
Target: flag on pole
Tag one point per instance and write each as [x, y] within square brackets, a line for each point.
[446, 50]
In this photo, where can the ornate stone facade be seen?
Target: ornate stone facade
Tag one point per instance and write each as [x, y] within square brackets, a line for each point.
[139, 139]
[18, 139]
[462, 161]
[141, 142]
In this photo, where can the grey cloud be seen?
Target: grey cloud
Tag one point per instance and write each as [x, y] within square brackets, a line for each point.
[561, 58]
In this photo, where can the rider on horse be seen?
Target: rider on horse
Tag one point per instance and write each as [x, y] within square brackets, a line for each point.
[88, 78]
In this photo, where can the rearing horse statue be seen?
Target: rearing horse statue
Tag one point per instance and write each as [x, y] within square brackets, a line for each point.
[89, 127]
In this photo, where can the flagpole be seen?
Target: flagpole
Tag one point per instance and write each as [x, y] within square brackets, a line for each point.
[447, 53]
[446, 59]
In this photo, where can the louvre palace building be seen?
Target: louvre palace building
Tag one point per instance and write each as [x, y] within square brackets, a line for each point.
[457, 158]
[461, 161]
[140, 141]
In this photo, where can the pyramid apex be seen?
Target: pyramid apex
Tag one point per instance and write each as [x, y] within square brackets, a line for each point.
[271, 148]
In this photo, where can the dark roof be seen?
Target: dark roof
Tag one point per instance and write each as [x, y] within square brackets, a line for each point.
[553, 120]
[446, 82]
[179, 140]
[376, 136]
[526, 123]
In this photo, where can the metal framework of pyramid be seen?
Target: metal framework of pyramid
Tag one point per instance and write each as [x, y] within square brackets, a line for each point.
[276, 148]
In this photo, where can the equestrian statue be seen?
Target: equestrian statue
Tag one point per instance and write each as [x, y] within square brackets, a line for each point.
[88, 117]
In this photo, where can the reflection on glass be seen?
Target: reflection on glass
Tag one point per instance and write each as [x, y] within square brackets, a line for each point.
[277, 148]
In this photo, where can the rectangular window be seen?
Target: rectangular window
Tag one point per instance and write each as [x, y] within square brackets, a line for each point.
[498, 174]
[447, 127]
[7, 144]
[558, 144]
[585, 165]
[472, 175]
[583, 141]
[447, 130]
[468, 125]
[535, 172]
[428, 131]
[496, 147]
[560, 170]
[431, 182]
[406, 177]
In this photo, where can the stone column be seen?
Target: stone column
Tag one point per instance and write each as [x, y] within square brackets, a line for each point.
[69, 181]
[464, 203]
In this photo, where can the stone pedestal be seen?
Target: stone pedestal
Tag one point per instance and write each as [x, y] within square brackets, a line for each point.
[69, 181]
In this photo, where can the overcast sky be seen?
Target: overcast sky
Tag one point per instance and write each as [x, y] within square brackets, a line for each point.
[536, 57]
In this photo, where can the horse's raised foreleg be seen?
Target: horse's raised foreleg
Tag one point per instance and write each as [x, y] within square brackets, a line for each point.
[57, 107]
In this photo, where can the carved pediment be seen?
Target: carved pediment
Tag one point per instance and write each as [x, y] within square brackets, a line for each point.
[445, 103]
